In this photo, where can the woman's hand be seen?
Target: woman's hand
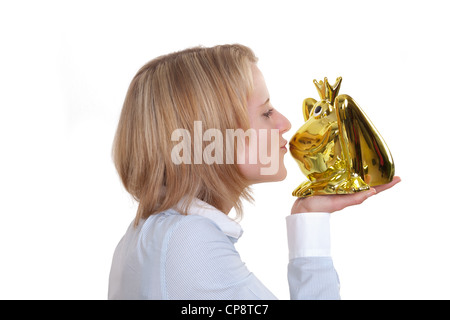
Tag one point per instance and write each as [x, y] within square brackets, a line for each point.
[332, 203]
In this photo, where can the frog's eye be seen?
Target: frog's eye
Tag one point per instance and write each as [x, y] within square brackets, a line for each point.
[317, 111]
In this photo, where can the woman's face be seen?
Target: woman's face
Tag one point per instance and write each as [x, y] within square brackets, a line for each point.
[264, 155]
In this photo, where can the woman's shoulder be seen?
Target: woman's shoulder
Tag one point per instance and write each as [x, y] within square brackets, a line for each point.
[173, 225]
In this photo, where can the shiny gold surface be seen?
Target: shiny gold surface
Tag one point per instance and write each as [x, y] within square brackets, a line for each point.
[338, 148]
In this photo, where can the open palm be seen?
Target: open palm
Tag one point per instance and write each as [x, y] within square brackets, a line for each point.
[332, 203]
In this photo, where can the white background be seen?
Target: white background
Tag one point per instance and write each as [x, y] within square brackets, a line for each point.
[65, 67]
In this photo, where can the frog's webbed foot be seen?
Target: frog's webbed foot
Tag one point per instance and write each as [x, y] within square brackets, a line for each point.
[313, 188]
[303, 190]
[351, 185]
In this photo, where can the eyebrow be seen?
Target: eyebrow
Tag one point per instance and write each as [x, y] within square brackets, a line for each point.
[267, 101]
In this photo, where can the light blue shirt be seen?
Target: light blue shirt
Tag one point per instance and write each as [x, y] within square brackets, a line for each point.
[174, 256]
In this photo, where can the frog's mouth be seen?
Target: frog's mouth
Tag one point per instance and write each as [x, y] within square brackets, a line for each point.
[294, 149]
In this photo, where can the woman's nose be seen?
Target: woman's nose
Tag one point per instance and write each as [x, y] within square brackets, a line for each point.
[285, 124]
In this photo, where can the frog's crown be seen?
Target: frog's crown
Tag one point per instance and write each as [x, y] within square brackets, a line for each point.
[326, 91]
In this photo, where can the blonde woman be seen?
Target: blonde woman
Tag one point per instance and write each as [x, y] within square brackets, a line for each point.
[197, 129]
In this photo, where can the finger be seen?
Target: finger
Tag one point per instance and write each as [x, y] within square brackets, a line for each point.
[389, 185]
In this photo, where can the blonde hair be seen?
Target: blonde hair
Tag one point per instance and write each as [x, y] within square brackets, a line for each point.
[210, 85]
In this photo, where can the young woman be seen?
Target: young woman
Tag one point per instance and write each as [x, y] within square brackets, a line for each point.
[197, 129]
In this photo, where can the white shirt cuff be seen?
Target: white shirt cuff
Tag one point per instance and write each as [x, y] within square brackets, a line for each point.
[308, 234]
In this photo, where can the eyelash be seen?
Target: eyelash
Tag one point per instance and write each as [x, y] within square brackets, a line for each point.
[268, 113]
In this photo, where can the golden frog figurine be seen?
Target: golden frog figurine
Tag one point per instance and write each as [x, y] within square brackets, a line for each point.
[338, 148]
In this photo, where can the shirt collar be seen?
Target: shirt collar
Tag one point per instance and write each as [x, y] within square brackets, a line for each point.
[228, 226]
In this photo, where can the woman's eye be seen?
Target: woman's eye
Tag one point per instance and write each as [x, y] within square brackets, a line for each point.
[268, 113]
[317, 111]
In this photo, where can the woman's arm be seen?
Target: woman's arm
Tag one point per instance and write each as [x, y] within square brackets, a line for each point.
[311, 272]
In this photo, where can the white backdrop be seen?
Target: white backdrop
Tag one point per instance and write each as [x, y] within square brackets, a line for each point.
[65, 67]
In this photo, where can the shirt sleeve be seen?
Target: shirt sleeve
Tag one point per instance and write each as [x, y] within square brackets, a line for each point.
[311, 273]
[201, 262]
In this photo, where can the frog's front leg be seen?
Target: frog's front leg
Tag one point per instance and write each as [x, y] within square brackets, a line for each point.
[315, 185]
